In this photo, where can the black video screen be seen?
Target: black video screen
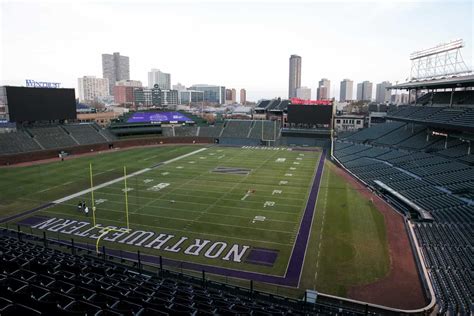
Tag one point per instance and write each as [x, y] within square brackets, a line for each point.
[309, 114]
[40, 104]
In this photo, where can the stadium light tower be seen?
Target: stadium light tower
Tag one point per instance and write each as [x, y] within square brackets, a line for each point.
[439, 61]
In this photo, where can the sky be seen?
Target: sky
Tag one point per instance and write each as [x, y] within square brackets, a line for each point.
[244, 44]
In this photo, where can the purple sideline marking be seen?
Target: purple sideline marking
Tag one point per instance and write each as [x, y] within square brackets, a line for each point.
[36, 209]
[33, 220]
[262, 256]
[296, 260]
[145, 117]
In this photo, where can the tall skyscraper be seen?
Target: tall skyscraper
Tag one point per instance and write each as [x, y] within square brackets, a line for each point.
[382, 95]
[364, 91]
[347, 87]
[90, 88]
[324, 89]
[295, 75]
[303, 93]
[162, 79]
[115, 68]
[243, 96]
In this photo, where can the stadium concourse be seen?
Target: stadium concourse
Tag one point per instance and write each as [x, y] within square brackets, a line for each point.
[421, 162]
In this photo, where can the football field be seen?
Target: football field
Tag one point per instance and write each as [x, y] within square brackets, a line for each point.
[239, 208]
[245, 213]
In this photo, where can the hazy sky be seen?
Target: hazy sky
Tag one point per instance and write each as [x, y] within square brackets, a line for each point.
[243, 44]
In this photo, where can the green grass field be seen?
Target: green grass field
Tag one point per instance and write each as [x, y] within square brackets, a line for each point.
[190, 199]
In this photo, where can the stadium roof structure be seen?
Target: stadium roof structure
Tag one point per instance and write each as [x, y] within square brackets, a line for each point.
[443, 83]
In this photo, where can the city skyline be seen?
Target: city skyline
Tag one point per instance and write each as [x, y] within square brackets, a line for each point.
[69, 45]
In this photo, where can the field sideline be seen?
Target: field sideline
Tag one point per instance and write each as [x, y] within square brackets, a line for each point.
[193, 198]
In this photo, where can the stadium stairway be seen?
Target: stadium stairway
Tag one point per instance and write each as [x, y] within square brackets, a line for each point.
[69, 133]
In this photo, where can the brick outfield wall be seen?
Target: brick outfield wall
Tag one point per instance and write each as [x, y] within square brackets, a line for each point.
[81, 149]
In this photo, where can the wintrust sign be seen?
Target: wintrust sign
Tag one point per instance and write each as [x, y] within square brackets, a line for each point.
[35, 84]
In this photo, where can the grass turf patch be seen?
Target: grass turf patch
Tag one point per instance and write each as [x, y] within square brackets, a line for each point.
[348, 244]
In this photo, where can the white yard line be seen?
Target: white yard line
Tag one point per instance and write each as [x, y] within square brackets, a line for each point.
[103, 185]
[150, 158]
[56, 186]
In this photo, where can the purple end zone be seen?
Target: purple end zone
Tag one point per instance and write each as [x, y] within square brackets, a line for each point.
[262, 256]
[295, 265]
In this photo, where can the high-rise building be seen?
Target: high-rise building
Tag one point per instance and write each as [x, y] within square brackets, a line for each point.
[382, 94]
[162, 79]
[324, 89]
[347, 87]
[144, 97]
[295, 75]
[364, 91]
[124, 95]
[169, 98]
[243, 96]
[115, 68]
[303, 93]
[91, 88]
[231, 96]
[212, 94]
[129, 83]
[190, 96]
[179, 87]
[228, 95]
[123, 91]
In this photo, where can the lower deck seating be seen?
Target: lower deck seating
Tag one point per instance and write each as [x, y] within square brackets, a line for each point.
[52, 137]
[35, 280]
[85, 134]
[16, 142]
[210, 131]
[265, 130]
[237, 128]
[185, 130]
[441, 185]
